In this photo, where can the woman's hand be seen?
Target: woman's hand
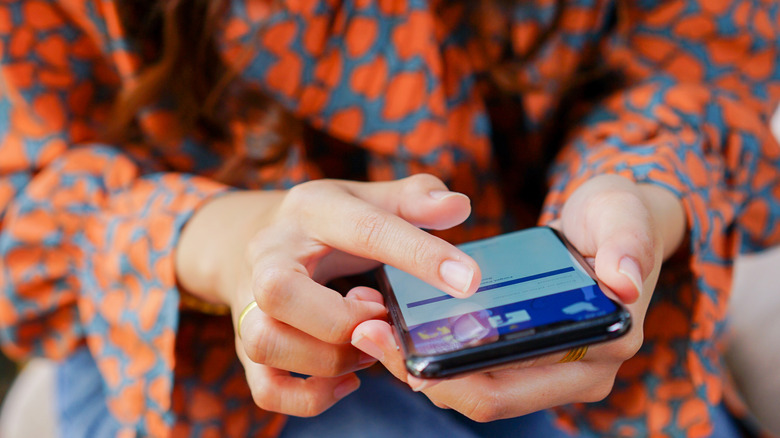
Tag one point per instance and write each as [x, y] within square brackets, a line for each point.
[628, 229]
[280, 248]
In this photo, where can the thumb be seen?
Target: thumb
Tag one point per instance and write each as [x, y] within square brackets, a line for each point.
[607, 218]
[375, 338]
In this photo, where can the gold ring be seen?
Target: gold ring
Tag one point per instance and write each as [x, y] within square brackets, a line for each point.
[574, 354]
[241, 317]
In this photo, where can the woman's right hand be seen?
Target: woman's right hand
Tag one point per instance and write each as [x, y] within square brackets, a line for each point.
[280, 248]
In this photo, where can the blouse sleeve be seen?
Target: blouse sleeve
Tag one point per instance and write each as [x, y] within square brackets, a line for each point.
[86, 233]
[702, 83]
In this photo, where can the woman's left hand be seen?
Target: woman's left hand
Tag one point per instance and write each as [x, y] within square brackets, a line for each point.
[628, 229]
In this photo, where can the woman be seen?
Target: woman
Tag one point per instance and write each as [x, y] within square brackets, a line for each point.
[128, 123]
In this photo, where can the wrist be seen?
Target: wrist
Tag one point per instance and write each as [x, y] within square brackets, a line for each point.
[210, 254]
[191, 302]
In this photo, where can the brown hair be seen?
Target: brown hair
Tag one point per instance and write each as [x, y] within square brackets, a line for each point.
[187, 72]
[176, 39]
[526, 179]
[192, 75]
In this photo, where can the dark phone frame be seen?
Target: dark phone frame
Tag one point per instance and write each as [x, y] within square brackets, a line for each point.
[510, 347]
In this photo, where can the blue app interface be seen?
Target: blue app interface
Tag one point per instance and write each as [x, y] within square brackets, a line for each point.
[529, 279]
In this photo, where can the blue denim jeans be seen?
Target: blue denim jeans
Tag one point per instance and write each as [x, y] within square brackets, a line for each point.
[384, 408]
[381, 408]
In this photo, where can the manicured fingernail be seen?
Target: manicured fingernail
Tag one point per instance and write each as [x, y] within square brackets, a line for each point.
[347, 386]
[630, 268]
[368, 346]
[440, 194]
[458, 275]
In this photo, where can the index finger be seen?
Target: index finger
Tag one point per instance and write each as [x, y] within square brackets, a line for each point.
[373, 230]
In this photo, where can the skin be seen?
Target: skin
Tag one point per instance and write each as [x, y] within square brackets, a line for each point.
[281, 247]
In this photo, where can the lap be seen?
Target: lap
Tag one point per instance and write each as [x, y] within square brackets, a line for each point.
[383, 407]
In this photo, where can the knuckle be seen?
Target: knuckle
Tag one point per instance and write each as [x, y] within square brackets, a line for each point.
[340, 329]
[332, 363]
[440, 405]
[312, 405]
[485, 409]
[300, 193]
[264, 398]
[261, 245]
[423, 253]
[599, 391]
[343, 321]
[370, 229]
[300, 197]
[268, 288]
[250, 341]
[259, 345]
[628, 346]
[299, 403]
[330, 367]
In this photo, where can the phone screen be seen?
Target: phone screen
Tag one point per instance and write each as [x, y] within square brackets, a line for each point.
[530, 280]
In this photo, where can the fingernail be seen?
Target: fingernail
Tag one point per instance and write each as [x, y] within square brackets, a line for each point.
[370, 305]
[346, 387]
[458, 275]
[368, 346]
[374, 307]
[362, 295]
[440, 194]
[418, 384]
[630, 268]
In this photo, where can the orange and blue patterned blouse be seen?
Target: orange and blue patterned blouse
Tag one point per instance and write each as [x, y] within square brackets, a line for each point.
[88, 229]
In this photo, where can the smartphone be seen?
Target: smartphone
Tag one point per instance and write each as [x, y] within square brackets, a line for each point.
[537, 296]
